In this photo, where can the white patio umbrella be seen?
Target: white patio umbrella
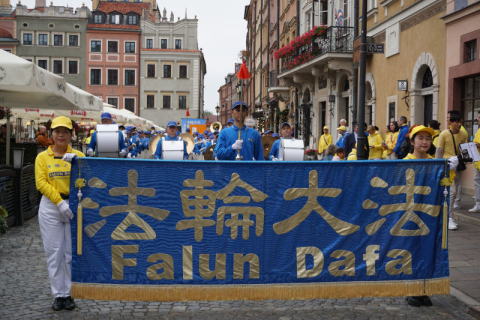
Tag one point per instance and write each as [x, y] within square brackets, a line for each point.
[25, 85]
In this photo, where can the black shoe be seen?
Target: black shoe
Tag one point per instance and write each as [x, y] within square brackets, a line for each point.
[58, 304]
[426, 301]
[69, 303]
[415, 301]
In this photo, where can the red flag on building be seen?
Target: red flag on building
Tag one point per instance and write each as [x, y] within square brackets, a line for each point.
[188, 113]
[243, 73]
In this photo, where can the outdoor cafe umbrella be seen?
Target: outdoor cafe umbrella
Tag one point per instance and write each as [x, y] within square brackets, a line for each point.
[25, 85]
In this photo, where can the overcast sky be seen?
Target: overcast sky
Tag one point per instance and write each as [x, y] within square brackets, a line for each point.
[221, 34]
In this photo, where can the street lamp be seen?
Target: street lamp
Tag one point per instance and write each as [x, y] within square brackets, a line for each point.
[217, 108]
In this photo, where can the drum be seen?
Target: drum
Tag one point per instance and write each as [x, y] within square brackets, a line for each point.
[291, 150]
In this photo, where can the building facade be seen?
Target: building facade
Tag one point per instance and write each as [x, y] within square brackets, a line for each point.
[113, 53]
[54, 38]
[172, 69]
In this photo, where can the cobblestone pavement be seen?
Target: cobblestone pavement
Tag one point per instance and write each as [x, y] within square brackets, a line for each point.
[25, 294]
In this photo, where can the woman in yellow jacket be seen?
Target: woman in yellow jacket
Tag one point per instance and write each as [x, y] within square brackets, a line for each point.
[375, 143]
[391, 140]
[52, 177]
[323, 143]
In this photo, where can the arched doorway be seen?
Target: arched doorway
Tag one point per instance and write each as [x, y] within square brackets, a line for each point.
[370, 104]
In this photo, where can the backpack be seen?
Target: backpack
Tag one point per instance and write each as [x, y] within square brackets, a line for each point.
[405, 148]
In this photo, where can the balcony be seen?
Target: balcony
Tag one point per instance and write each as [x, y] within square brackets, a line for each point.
[275, 86]
[335, 42]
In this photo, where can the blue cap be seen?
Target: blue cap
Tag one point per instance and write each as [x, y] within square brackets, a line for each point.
[285, 123]
[171, 124]
[206, 132]
[216, 131]
[268, 131]
[276, 135]
[210, 135]
[106, 115]
[152, 127]
[188, 130]
[129, 128]
[200, 135]
[238, 103]
[230, 121]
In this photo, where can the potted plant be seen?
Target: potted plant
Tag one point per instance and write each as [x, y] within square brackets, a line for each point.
[311, 153]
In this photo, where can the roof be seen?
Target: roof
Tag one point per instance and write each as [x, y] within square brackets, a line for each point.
[123, 7]
[113, 26]
[5, 34]
[39, 9]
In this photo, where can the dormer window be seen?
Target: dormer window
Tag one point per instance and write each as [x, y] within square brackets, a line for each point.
[115, 19]
[132, 19]
[97, 18]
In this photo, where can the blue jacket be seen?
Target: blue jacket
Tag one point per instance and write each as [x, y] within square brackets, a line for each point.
[401, 137]
[158, 152]
[341, 142]
[251, 148]
[93, 142]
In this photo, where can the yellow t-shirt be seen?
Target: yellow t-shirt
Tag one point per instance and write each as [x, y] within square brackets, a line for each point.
[52, 176]
[391, 141]
[410, 156]
[477, 138]
[445, 141]
[324, 142]
[352, 155]
[435, 137]
[375, 140]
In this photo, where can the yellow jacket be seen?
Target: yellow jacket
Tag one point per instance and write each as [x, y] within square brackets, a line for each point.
[391, 141]
[352, 155]
[325, 141]
[477, 138]
[410, 156]
[52, 176]
[375, 140]
[435, 137]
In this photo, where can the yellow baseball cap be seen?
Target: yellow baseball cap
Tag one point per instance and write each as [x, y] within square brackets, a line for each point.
[92, 131]
[342, 128]
[325, 128]
[61, 122]
[418, 129]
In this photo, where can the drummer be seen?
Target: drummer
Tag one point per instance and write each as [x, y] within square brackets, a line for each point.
[171, 136]
[286, 134]
[249, 146]
[230, 122]
[133, 142]
[106, 119]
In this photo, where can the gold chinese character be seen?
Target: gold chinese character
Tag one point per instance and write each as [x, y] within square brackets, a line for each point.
[203, 203]
[312, 192]
[234, 222]
[132, 208]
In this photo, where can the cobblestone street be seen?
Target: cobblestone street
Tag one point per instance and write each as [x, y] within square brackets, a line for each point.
[25, 294]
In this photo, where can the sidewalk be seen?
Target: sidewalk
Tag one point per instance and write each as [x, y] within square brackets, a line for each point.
[464, 256]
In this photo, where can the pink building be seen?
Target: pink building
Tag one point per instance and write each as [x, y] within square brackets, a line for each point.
[8, 39]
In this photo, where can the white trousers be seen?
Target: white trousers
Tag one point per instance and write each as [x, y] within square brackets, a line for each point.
[57, 242]
[392, 156]
[476, 181]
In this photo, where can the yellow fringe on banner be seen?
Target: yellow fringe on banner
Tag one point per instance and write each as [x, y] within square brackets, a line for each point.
[297, 291]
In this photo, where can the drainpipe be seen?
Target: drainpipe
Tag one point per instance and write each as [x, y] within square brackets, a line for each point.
[355, 67]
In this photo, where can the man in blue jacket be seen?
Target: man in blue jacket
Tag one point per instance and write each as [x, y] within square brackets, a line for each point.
[402, 124]
[286, 130]
[250, 143]
[171, 136]
[107, 119]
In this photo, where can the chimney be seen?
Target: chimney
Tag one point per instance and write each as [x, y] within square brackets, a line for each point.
[40, 3]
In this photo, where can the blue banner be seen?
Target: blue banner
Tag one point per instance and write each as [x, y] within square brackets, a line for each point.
[189, 223]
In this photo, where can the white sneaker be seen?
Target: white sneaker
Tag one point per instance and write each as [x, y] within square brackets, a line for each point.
[476, 208]
[456, 206]
[451, 224]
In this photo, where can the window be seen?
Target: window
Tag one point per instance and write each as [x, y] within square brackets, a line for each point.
[167, 71]
[149, 43]
[27, 38]
[58, 39]
[129, 47]
[182, 102]
[150, 101]
[112, 46]
[73, 40]
[115, 19]
[57, 66]
[113, 102]
[470, 103]
[178, 44]
[346, 15]
[391, 112]
[129, 77]
[166, 102]
[471, 50]
[43, 39]
[96, 76]
[130, 104]
[460, 4]
[43, 64]
[132, 20]
[97, 18]
[96, 46]
[150, 71]
[72, 67]
[183, 72]
[112, 77]
[163, 44]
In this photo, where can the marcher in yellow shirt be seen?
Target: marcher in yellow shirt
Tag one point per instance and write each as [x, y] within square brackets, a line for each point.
[324, 141]
[375, 143]
[352, 156]
[391, 140]
[52, 177]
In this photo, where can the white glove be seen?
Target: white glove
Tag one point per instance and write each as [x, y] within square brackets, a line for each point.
[129, 155]
[237, 145]
[453, 162]
[90, 152]
[65, 209]
[122, 153]
[274, 159]
[68, 157]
